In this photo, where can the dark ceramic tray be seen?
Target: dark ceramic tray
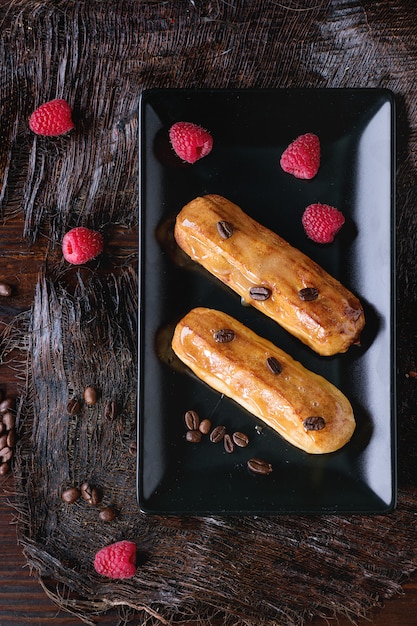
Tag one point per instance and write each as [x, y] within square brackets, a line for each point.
[251, 128]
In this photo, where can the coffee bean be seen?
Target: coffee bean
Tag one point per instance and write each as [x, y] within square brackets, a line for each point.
[73, 406]
[225, 229]
[5, 289]
[217, 434]
[3, 440]
[315, 422]
[192, 420]
[110, 410]
[224, 335]
[259, 466]
[70, 495]
[4, 468]
[90, 494]
[274, 365]
[193, 436]
[6, 405]
[8, 420]
[2, 428]
[90, 396]
[11, 438]
[205, 426]
[229, 446]
[6, 454]
[308, 294]
[260, 293]
[107, 514]
[240, 439]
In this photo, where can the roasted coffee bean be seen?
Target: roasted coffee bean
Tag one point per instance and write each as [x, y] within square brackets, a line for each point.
[217, 434]
[192, 420]
[107, 514]
[70, 495]
[315, 422]
[3, 440]
[11, 438]
[73, 406]
[274, 365]
[308, 294]
[224, 335]
[240, 439]
[225, 229]
[205, 426]
[260, 293]
[90, 494]
[4, 468]
[229, 446]
[6, 454]
[90, 396]
[193, 436]
[6, 405]
[8, 420]
[259, 466]
[110, 410]
[5, 289]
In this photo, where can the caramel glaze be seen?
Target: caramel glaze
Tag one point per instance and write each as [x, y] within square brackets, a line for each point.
[254, 256]
[284, 400]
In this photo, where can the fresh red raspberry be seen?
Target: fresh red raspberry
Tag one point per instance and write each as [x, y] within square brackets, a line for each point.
[322, 222]
[190, 141]
[117, 560]
[81, 244]
[52, 118]
[302, 157]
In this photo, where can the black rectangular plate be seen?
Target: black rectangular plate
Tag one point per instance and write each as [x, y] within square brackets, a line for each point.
[251, 128]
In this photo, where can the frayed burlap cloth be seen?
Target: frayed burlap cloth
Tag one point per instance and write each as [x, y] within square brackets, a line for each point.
[82, 327]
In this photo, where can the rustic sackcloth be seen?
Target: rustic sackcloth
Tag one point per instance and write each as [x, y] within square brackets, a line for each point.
[82, 327]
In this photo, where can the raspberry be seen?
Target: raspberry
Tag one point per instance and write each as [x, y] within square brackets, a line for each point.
[322, 222]
[302, 157]
[52, 118]
[117, 560]
[190, 141]
[81, 244]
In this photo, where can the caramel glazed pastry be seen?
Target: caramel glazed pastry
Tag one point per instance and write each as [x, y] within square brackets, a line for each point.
[303, 407]
[270, 274]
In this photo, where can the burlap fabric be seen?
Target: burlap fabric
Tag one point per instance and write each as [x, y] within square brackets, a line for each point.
[81, 329]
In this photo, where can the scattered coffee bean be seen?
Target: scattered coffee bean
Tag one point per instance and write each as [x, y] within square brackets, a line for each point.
[217, 434]
[3, 440]
[225, 229]
[224, 335]
[73, 406]
[193, 436]
[70, 495]
[6, 454]
[205, 426]
[274, 365]
[315, 422]
[6, 405]
[110, 410]
[8, 420]
[259, 466]
[308, 294]
[192, 420]
[11, 438]
[4, 468]
[229, 446]
[5, 289]
[90, 396]
[240, 439]
[90, 494]
[107, 514]
[260, 293]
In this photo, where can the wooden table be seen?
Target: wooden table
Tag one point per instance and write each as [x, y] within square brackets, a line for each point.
[22, 599]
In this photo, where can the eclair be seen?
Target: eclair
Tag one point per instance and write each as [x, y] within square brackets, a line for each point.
[270, 274]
